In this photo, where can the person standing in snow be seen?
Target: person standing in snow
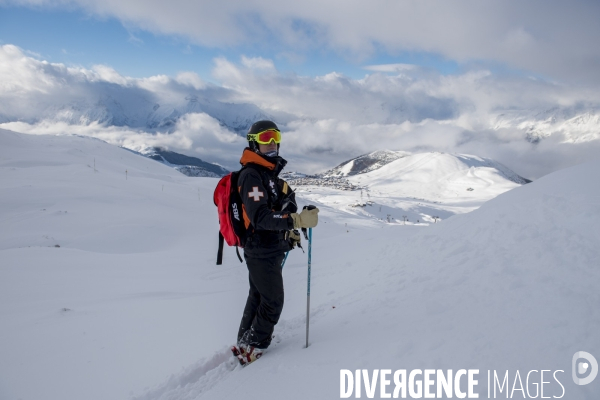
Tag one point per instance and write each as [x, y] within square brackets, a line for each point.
[270, 214]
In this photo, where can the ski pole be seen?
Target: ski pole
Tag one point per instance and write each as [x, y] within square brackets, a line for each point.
[309, 238]
[285, 258]
[308, 285]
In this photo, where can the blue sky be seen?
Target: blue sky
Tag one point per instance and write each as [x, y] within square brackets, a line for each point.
[74, 37]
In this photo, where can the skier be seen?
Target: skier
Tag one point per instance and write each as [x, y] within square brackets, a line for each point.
[269, 211]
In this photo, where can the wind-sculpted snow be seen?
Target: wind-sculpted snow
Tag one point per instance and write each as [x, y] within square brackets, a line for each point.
[132, 305]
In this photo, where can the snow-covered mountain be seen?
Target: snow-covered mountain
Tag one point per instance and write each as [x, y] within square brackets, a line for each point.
[377, 159]
[573, 124]
[444, 170]
[109, 288]
[145, 111]
[236, 116]
[412, 188]
[137, 109]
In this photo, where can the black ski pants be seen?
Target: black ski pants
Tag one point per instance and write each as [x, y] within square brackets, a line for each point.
[265, 301]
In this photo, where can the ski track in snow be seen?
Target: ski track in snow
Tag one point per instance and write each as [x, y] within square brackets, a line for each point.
[194, 380]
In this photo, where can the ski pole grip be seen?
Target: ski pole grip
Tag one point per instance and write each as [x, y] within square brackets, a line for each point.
[308, 207]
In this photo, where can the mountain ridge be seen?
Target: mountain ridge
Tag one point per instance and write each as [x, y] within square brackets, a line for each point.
[187, 165]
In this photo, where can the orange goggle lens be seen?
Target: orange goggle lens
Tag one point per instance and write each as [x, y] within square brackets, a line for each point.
[265, 137]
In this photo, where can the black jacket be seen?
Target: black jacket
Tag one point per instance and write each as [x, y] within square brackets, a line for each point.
[268, 202]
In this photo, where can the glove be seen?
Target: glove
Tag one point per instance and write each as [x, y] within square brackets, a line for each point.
[306, 219]
[294, 238]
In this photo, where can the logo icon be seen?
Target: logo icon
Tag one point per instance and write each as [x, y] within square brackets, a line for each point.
[581, 367]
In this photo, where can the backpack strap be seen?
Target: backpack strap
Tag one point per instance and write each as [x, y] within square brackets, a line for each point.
[237, 250]
[220, 251]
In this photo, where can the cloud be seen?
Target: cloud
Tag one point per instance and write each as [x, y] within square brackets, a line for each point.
[195, 134]
[390, 67]
[549, 37]
[107, 74]
[531, 125]
[411, 94]
[134, 39]
[190, 79]
[258, 63]
[377, 98]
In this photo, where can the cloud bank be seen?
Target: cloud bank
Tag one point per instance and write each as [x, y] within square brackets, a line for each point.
[531, 125]
[550, 37]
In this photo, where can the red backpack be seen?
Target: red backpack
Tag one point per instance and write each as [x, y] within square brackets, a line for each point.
[232, 224]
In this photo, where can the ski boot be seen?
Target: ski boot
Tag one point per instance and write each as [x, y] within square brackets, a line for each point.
[246, 354]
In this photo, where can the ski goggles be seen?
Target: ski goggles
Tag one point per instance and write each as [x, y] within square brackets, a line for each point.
[265, 137]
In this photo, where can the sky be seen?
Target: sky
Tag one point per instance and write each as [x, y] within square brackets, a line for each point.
[459, 76]
[74, 36]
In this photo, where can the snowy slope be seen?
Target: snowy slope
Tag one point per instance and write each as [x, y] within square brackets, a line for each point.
[132, 305]
[83, 321]
[440, 177]
[511, 287]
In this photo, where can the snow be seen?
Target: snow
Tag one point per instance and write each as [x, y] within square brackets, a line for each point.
[422, 187]
[438, 177]
[346, 168]
[132, 305]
